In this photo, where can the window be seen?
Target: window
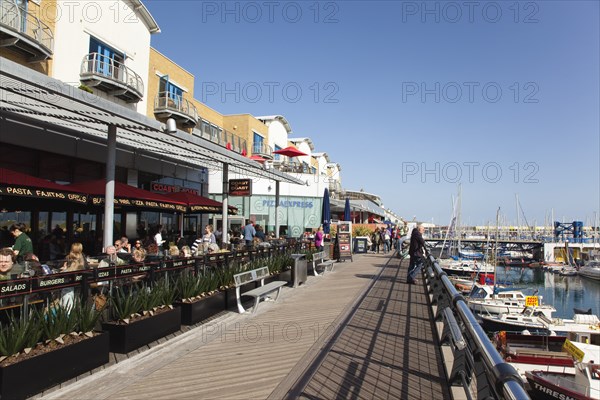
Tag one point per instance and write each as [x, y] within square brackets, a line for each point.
[258, 143]
[170, 90]
[215, 133]
[276, 156]
[205, 129]
[22, 6]
[107, 61]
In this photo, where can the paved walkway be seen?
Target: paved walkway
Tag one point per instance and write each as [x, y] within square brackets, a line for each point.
[343, 335]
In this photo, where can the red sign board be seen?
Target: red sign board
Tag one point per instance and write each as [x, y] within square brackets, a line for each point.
[164, 188]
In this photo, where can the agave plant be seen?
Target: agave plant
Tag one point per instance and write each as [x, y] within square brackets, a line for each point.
[57, 320]
[124, 304]
[188, 286]
[86, 316]
[19, 334]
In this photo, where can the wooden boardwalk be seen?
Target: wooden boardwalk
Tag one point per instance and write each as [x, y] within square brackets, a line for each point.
[359, 332]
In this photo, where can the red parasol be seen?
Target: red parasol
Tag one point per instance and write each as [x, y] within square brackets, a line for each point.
[257, 158]
[290, 152]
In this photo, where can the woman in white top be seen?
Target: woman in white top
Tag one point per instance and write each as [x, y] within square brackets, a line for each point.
[207, 239]
[158, 237]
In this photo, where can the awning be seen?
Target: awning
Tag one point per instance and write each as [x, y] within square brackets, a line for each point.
[127, 196]
[46, 108]
[17, 184]
[199, 204]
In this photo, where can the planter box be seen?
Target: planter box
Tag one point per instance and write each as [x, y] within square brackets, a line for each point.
[231, 302]
[126, 338]
[192, 313]
[31, 376]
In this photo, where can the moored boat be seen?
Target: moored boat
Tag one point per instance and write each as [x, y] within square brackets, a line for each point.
[583, 328]
[485, 299]
[584, 384]
[591, 270]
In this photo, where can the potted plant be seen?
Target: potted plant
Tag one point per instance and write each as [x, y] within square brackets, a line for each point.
[49, 347]
[141, 316]
[199, 297]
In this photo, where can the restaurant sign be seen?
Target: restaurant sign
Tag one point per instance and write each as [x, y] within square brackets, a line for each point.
[165, 188]
[240, 187]
[13, 190]
[99, 200]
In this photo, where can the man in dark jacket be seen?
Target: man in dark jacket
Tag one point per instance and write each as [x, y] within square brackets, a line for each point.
[416, 252]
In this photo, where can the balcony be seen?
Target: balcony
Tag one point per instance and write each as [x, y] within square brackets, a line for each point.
[24, 32]
[111, 76]
[168, 105]
[297, 168]
[263, 150]
[335, 185]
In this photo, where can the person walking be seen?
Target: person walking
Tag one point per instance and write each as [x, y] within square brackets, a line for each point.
[249, 233]
[319, 239]
[416, 252]
[376, 240]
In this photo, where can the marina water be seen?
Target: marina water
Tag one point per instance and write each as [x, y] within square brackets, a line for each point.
[563, 292]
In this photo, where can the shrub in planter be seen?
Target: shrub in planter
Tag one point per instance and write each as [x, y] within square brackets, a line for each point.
[198, 296]
[49, 347]
[141, 316]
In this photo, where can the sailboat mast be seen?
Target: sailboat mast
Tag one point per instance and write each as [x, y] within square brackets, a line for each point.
[517, 206]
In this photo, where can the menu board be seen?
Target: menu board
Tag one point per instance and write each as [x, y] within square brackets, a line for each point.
[344, 240]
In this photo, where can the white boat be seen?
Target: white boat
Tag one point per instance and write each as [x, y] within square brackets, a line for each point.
[466, 267]
[568, 271]
[583, 327]
[591, 269]
[484, 299]
[584, 384]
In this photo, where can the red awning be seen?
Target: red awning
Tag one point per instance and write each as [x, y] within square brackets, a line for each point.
[199, 204]
[14, 183]
[290, 152]
[128, 196]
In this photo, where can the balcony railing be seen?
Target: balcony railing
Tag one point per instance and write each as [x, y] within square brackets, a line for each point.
[111, 76]
[168, 105]
[295, 168]
[263, 150]
[226, 139]
[24, 31]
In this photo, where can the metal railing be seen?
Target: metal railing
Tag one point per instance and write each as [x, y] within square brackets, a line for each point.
[96, 64]
[262, 149]
[172, 102]
[22, 21]
[477, 365]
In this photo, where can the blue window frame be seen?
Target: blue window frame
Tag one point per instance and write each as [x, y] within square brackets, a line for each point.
[275, 155]
[258, 143]
[107, 57]
[173, 91]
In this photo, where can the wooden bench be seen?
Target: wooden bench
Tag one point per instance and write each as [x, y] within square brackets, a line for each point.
[260, 292]
[321, 260]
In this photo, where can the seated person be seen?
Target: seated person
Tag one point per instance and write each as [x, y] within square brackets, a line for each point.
[213, 248]
[111, 258]
[174, 251]
[8, 268]
[139, 256]
[186, 252]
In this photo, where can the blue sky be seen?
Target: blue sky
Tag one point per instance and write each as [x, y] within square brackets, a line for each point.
[411, 98]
